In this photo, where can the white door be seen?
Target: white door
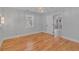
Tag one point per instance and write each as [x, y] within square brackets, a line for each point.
[49, 23]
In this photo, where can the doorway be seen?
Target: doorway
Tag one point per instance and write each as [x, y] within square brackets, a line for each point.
[54, 25]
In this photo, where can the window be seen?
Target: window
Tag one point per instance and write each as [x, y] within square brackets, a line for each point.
[29, 21]
[1, 20]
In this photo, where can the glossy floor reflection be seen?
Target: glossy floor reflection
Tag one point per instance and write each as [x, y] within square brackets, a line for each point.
[39, 42]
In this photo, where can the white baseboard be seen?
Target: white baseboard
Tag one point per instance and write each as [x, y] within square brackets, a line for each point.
[20, 35]
[68, 38]
[1, 41]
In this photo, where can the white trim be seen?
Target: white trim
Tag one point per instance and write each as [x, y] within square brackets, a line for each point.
[28, 25]
[68, 38]
[20, 35]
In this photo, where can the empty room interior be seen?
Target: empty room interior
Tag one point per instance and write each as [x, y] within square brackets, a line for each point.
[39, 29]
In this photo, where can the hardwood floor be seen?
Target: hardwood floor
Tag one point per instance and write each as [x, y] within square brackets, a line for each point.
[39, 42]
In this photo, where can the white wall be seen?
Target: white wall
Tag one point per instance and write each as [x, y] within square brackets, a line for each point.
[15, 23]
[71, 23]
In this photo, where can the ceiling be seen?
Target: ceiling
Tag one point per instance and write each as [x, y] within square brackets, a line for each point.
[47, 10]
[41, 9]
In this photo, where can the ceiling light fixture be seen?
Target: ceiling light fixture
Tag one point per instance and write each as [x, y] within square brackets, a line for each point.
[41, 9]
